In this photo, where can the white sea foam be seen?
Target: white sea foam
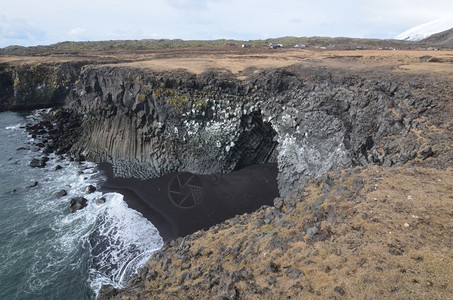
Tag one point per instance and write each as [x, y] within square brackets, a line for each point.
[14, 127]
[110, 239]
[121, 242]
[119, 239]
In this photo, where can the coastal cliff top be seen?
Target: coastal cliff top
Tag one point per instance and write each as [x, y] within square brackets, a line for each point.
[240, 60]
[363, 233]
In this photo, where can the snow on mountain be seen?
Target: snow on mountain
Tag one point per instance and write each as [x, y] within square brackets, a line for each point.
[423, 31]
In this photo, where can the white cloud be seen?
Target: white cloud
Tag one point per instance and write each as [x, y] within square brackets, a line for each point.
[19, 32]
[207, 19]
[190, 4]
[77, 33]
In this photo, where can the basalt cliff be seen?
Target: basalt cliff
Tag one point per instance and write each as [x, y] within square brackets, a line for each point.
[309, 121]
[314, 119]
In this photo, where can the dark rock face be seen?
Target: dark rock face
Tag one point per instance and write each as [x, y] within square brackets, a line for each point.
[309, 121]
[77, 203]
[36, 86]
[6, 87]
[150, 124]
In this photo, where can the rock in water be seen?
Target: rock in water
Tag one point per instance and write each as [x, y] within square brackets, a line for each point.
[100, 200]
[77, 203]
[37, 163]
[34, 184]
[60, 194]
[90, 189]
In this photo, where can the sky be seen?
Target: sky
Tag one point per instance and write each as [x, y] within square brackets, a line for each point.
[29, 23]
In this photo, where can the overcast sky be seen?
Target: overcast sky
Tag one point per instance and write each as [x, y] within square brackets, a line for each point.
[44, 22]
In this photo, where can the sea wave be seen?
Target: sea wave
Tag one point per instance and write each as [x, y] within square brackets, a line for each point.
[56, 253]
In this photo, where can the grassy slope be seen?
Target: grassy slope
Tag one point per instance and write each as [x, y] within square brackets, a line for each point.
[148, 44]
[383, 233]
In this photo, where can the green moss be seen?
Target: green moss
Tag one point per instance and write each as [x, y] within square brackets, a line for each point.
[267, 228]
[181, 102]
[17, 82]
[141, 97]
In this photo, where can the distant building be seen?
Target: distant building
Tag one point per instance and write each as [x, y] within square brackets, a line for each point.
[246, 45]
[275, 45]
[300, 46]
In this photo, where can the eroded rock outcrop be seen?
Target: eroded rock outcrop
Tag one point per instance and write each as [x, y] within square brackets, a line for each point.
[24, 87]
[309, 121]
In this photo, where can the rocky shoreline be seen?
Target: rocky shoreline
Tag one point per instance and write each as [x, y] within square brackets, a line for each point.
[307, 119]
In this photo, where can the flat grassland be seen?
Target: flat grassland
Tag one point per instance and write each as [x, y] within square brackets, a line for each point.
[240, 61]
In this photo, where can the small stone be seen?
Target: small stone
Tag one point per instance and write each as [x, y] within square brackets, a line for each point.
[391, 289]
[426, 153]
[101, 200]
[312, 231]
[278, 203]
[271, 267]
[339, 290]
[406, 225]
[294, 273]
[165, 264]
[34, 184]
[271, 281]
[57, 167]
[358, 184]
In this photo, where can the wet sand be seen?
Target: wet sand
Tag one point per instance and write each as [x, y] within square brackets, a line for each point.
[182, 203]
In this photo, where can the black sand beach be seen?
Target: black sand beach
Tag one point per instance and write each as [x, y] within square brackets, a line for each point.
[182, 203]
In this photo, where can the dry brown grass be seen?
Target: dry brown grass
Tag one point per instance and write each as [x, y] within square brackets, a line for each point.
[390, 239]
[238, 60]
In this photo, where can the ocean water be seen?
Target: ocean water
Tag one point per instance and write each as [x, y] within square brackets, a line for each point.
[47, 252]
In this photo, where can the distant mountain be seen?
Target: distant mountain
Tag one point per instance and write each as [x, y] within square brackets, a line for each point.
[423, 31]
[441, 39]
